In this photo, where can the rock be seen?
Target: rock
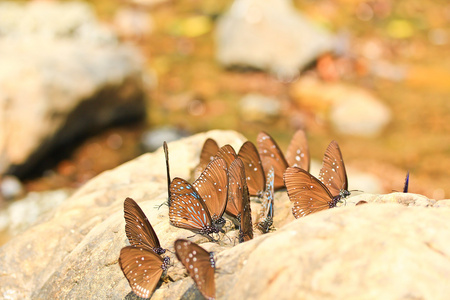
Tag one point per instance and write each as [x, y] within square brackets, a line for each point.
[372, 251]
[78, 80]
[22, 214]
[269, 35]
[89, 226]
[351, 110]
[259, 108]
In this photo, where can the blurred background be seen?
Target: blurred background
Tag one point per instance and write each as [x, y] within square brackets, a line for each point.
[88, 85]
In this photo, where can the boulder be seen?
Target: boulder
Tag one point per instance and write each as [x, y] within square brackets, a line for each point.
[375, 251]
[351, 110]
[62, 76]
[269, 35]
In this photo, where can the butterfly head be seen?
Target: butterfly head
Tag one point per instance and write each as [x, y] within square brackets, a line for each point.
[344, 193]
[159, 250]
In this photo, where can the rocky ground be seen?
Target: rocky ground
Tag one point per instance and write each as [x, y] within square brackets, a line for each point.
[395, 246]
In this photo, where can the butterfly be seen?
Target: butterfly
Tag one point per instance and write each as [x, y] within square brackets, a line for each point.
[188, 210]
[271, 155]
[253, 168]
[200, 265]
[405, 188]
[207, 154]
[266, 214]
[141, 263]
[236, 186]
[246, 227]
[249, 155]
[212, 185]
[142, 268]
[332, 173]
[307, 193]
[138, 229]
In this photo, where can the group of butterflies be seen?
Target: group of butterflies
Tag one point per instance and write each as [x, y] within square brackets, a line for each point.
[225, 182]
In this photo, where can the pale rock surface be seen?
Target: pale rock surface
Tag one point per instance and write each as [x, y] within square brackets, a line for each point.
[19, 215]
[62, 74]
[351, 110]
[373, 251]
[259, 108]
[269, 35]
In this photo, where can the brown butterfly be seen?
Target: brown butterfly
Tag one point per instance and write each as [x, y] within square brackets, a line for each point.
[332, 173]
[199, 264]
[188, 210]
[141, 262]
[253, 169]
[272, 156]
[212, 185]
[246, 227]
[138, 229]
[249, 155]
[236, 186]
[266, 214]
[142, 268]
[307, 193]
[208, 153]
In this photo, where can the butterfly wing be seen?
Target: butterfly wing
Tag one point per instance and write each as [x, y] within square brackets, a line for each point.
[333, 174]
[138, 229]
[142, 268]
[297, 154]
[187, 209]
[266, 214]
[209, 151]
[271, 156]
[253, 168]
[236, 180]
[405, 188]
[199, 264]
[246, 227]
[212, 185]
[227, 153]
[306, 192]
